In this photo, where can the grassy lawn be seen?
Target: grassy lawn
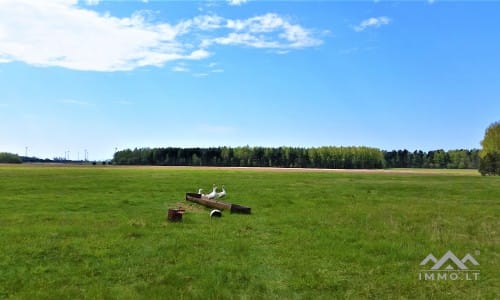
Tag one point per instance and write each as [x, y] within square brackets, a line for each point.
[100, 232]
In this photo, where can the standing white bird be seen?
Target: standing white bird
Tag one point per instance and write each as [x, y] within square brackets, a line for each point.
[221, 194]
[213, 193]
[200, 192]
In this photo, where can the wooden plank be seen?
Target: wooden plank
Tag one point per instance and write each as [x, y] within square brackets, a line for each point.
[197, 198]
[233, 208]
[240, 209]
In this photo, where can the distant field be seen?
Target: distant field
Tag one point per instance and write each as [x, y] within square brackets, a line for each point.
[100, 232]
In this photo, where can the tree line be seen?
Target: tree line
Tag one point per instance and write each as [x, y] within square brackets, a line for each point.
[284, 157]
[9, 158]
[440, 159]
[297, 157]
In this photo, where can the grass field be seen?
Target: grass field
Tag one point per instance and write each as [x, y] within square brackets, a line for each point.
[100, 232]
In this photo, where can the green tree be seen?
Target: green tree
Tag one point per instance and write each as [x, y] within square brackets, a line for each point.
[489, 163]
[195, 160]
[491, 141]
[9, 158]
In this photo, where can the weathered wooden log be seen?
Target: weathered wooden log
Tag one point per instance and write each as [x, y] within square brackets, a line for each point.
[175, 215]
[198, 198]
[240, 209]
[233, 208]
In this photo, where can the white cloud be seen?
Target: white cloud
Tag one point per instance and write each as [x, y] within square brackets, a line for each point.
[263, 23]
[265, 31]
[62, 34]
[431, 1]
[372, 22]
[92, 2]
[217, 71]
[246, 39]
[200, 23]
[198, 54]
[282, 51]
[180, 69]
[236, 2]
[58, 33]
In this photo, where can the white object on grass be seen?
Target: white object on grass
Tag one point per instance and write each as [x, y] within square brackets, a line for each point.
[221, 194]
[215, 213]
[213, 193]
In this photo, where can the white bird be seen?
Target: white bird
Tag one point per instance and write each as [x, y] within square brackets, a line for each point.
[221, 194]
[200, 192]
[212, 194]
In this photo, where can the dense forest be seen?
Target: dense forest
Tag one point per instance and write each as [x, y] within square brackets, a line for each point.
[295, 157]
[9, 158]
[452, 159]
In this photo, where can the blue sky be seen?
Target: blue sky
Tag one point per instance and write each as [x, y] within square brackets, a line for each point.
[100, 75]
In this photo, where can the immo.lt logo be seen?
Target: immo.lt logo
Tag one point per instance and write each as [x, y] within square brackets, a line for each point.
[449, 267]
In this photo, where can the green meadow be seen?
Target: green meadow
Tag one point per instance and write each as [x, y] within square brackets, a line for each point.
[101, 233]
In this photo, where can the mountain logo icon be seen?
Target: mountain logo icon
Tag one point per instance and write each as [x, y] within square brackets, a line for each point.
[449, 261]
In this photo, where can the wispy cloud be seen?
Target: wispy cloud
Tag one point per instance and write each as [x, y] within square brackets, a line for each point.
[236, 2]
[372, 22]
[217, 71]
[431, 1]
[282, 51]
[31, 32]
[200, 74]
[269, 31]
[180, 69]
[92, 2]
[75, 102]
[205, 22]
[123, 102]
